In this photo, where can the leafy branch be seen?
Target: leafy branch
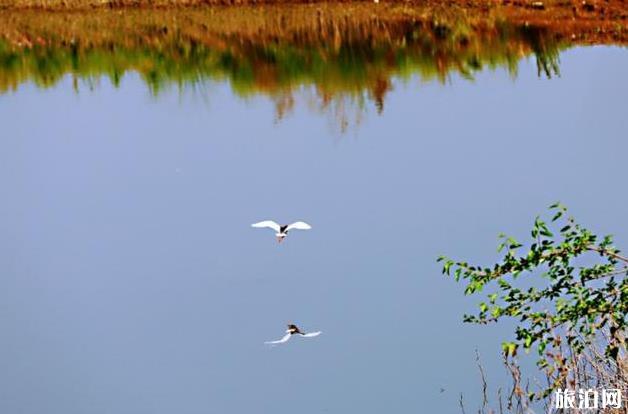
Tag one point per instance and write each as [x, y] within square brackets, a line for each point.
[569, 301]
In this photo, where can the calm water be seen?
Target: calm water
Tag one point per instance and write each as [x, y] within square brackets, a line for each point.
[132, 283]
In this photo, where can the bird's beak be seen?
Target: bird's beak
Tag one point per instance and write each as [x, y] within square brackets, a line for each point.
[279, 239]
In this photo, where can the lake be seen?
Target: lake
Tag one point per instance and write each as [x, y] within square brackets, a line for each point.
[138, 146]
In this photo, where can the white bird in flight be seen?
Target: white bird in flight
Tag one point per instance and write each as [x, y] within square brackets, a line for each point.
[293, 330]
[281, 231]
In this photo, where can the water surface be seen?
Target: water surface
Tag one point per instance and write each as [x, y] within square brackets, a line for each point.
[132, 283]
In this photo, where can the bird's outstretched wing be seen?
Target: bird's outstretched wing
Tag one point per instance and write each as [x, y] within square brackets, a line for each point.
[311, 334]
[280, 341]
[268, 223]
[299, 225]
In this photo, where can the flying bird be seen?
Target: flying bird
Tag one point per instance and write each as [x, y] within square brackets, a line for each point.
[281, 231]
[293, 330]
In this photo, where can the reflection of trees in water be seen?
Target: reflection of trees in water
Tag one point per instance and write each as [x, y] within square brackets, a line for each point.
[343, 111]
[547, 55]
[347, 58]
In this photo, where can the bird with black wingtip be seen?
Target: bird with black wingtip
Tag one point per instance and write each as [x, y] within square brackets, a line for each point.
[281, 230]
[291, 331]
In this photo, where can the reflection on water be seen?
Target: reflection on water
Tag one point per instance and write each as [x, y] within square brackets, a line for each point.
[337, 52]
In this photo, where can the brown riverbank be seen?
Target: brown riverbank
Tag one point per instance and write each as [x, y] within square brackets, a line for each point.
[579, 21]
[582, 21]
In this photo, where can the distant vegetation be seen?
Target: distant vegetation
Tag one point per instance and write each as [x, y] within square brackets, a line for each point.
[567, 290]
[340, 51]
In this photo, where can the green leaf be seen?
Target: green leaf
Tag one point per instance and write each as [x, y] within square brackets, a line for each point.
[509, 348]
[545, 232]
[542, 346]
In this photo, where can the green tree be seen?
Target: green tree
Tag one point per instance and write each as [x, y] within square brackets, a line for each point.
[567, 289]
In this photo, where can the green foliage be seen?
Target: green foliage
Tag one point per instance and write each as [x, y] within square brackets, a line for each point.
[271, 61]
[565, 300]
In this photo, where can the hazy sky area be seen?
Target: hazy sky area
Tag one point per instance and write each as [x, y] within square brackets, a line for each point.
[131, 281]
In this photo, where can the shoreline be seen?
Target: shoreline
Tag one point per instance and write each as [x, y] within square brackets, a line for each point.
[340, 49]
[606, 9]
[582, 22]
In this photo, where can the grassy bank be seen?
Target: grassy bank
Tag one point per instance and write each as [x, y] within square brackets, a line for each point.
[338, 49]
